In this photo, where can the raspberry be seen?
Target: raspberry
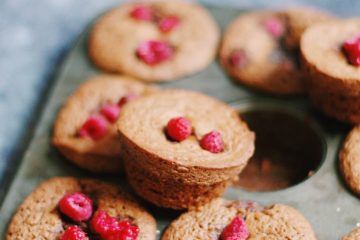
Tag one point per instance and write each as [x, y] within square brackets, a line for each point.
[143, 13]
[351, 47]
[104, 224]
[153, 52]
[127, 98]
[109, 228]
[168, 23]
[236, 230]
[178, 129]
[111, 112]
[274, 26]
[128, 232]
[238, 58]
[95, 127]
[212, 142]
[74, 233]
[76, 206]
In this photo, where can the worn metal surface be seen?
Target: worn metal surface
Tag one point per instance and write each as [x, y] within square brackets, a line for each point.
[322, 198]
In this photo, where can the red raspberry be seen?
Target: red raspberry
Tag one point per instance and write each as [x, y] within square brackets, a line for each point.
[143, 13]
[212, 142]
[168, 23]
[274, 26]
[104, 224]
[351, 48]
[76, 206]
[178, 129]
[127, 98]
[238, 58]
[154, 52]
[95, 127]
[109, 228]
[236, 230]
[111, 112]
[128, 232]
[74, 233]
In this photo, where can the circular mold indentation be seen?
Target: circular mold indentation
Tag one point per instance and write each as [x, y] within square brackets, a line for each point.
[288, 150]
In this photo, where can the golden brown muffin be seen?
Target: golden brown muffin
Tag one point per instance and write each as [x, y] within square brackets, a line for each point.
[333, 83]
[181, 174]
[263, 223]
[103, 155]
[116, 36]
[350, 160]
[39, 218]
[353, 235]
[260, 49]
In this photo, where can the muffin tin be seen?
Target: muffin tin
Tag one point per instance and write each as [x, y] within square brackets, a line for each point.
[316, 190]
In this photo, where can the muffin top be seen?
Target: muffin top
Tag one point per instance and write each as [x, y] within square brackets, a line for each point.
[154, 40]
[144, 122]
[87, 101]
[321, 47]
[39, 217]
[253, 52]
[274, 222]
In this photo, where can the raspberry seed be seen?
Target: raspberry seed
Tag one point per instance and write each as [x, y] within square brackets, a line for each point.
[109, 228]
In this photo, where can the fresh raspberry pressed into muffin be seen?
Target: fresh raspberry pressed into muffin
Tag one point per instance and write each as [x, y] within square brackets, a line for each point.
[351, 48]
[74, 233]
[236, 230]
[76, 206]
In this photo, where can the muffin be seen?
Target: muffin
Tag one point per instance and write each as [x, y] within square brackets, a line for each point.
[353, 235]
[241, 220]
[84, 131]
[64, 207]
[260, 49]
[350, 160]
[331, 59]
[182, 148]
[154, 40]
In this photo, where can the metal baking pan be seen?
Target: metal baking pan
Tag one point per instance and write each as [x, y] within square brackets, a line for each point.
[318, 193]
